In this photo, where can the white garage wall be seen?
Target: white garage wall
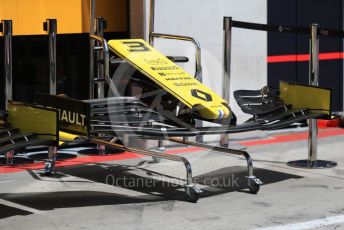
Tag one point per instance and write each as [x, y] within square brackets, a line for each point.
[203, 20]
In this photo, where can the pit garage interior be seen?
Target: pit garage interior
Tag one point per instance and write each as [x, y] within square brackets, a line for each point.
[158, 114]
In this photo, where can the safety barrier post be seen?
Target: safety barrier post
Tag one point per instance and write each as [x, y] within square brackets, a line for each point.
[151, 22]
[312, 162]
[6, 30]
[313, 81]
[227, 27]
[226, 67]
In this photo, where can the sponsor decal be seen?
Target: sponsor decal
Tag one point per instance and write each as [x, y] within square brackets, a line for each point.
[158, 61]
[72, 117]
[177, 78]
[165, 68]
[186, 84]
[173, 73]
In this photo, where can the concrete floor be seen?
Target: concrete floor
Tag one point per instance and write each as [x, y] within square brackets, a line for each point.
[83, 197]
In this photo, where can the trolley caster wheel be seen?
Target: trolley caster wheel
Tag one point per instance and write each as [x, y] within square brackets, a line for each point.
[193, 193]
[156, 159]
[254, 185]
[48, 167]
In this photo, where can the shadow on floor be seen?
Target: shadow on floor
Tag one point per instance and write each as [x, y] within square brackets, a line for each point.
[216, 182]
[232, 179]
[6, 211]
[68, 199]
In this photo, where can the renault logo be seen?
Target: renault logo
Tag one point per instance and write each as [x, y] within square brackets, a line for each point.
[201, 95]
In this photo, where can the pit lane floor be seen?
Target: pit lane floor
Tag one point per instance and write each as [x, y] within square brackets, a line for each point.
[134, 193]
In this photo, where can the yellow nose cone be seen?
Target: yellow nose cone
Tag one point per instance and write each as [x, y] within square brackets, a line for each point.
[213, 112]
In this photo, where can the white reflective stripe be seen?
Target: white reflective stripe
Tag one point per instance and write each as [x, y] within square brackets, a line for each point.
[221, 113]
[308, 224]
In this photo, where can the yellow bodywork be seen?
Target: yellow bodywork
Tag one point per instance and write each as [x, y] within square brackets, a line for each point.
[68, 136]
[171, 78]
[318, 100]
[30, 119]
[38, 120]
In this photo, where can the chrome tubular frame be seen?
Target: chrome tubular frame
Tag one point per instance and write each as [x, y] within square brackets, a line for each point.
[105, 50]
[99, 50]
[50, 26]
[250, 176]
[99, 31]
[198, 73]
[6, 29]
[152, 35]
[198, 57]
[189, 181]
[92, 45]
